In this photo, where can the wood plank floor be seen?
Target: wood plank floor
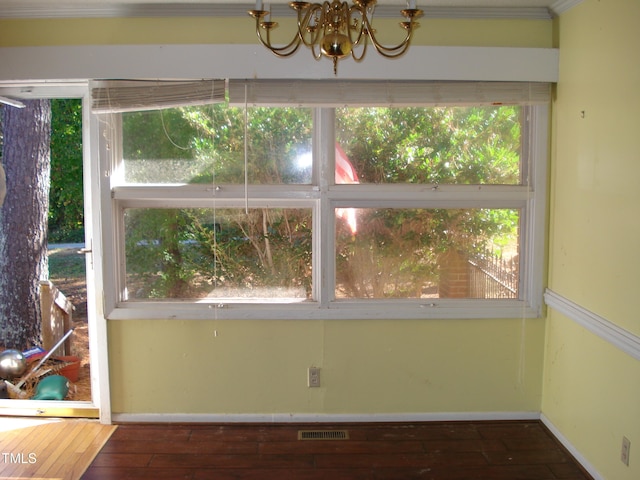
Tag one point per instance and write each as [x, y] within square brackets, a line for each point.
[49, 448]
[434, 450]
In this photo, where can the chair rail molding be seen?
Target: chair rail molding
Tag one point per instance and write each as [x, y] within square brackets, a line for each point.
[622, 339]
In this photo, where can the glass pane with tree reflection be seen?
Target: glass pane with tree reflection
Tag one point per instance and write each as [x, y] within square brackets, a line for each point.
[218, 253]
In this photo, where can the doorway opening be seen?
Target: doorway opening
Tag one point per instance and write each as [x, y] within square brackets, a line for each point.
[68, 271]
[66, 260]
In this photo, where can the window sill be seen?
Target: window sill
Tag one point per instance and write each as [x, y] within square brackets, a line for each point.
[339, 310]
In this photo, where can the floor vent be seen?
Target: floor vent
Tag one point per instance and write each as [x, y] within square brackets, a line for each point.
[323, 435]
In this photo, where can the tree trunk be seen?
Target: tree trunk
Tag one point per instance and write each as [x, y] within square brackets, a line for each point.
[23, 222]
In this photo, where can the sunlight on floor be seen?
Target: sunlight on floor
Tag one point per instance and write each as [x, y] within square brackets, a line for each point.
[31, 478]
[16, 423]
[49, 448]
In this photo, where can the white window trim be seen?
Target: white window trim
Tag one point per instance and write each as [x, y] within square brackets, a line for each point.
[322, 198]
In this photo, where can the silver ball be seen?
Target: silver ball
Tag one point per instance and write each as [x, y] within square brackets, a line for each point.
[12, 364]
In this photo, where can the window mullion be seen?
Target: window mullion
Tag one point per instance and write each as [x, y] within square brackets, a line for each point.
[324, 226]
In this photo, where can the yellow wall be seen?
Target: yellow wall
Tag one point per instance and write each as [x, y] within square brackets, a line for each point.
[368, 366]
[591, 389]
[255, 367]
[124, 31]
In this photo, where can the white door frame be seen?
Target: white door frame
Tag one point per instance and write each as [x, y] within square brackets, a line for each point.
[97, 324]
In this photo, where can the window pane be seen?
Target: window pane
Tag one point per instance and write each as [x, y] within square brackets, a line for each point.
[436, 145]
[196, 144]
[421, 253]
[223, 253]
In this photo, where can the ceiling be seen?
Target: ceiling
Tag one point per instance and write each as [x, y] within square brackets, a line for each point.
[117, 8]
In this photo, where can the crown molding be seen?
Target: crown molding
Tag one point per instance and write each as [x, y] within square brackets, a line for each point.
[561, 6]
[149, 10]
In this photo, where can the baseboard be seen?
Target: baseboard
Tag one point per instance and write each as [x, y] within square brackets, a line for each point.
[319, 417]
[572, 450]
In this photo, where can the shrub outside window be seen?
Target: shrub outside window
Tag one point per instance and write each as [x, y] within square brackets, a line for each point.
[279, 209]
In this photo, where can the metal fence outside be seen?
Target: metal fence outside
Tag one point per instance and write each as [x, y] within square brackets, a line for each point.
[491, 276]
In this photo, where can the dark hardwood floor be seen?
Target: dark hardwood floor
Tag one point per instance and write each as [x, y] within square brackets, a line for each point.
[434, 450]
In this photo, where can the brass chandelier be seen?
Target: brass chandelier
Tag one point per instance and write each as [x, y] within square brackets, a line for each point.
[334, 29]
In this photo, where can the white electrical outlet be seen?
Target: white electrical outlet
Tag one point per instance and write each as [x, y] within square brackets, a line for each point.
[313, 377]
[626, 447]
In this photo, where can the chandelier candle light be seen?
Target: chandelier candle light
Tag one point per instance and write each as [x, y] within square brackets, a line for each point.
[334, 29]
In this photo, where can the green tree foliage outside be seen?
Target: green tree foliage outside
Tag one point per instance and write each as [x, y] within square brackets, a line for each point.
[474, 145]
[187, 253]
[208, 142]
[66, 206]
[396, 251]
[192, 251]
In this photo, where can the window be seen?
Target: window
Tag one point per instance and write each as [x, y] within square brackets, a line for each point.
[327, 200]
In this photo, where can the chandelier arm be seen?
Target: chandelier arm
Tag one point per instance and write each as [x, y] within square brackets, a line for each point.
[361, 57]
[361, 31]
[316, 55]
[303, 24]
[395, 53]
[365, 44]
[391, 52]
[283, 51]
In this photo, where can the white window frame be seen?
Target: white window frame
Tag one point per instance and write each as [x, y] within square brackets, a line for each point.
[323, 196]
